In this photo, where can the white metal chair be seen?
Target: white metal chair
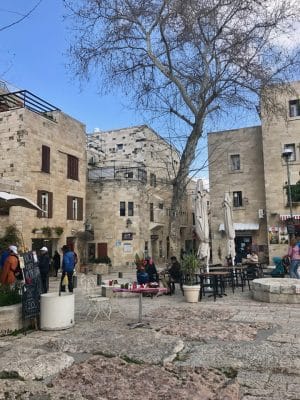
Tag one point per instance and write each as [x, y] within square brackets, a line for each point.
[95, 303]
[99, 305]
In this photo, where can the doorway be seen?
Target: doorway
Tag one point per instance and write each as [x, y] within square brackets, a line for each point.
[243, 245]
[102, 250]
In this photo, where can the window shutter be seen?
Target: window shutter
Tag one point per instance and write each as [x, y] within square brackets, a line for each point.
[69, 207]
[46, 159]
[80, 209]
[39, 203]
[50, 204]
[72, 167]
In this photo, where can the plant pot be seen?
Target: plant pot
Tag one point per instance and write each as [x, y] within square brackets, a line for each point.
[57, 312]
[191, 293]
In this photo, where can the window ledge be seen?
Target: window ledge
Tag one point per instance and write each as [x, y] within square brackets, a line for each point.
[238, 208]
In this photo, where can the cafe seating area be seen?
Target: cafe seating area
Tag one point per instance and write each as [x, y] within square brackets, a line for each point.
[217, 279]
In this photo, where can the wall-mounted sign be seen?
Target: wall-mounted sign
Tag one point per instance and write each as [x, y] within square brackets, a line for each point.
[127, 236]
[127, 248]
[273, 235]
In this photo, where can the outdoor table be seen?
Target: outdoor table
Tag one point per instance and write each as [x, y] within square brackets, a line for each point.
[140, 291]
[215, 276]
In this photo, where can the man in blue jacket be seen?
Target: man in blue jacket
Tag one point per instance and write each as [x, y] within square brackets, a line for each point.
[68, 265]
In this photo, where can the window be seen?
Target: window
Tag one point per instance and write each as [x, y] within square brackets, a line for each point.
[130, 209]
[122, 208]
[160, 249]
[292, 148]
[128, 175]
[161, 206]
[72, 168]
[119, 146]
[294, 108]
[151, 213]
[45, 202]
[46, 159]
[153, 180]
[74, 208]
[235, 163]
[237, 199]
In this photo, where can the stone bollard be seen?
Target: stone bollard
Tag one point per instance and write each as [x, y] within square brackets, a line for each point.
[99, 279]
[120, 274]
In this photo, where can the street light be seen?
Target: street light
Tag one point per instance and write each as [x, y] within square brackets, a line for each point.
[286, 155]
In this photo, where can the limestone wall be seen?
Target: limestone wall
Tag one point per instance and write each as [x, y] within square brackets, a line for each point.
[22, 135]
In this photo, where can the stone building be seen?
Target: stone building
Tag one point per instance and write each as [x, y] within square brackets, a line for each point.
[43, 157]
[251, 164]
[129, 194]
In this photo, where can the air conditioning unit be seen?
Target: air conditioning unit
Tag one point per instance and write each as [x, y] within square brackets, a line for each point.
[261, 213]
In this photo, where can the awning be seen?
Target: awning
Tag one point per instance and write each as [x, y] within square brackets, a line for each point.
[250, 226]
[284, 217]
[155, 225]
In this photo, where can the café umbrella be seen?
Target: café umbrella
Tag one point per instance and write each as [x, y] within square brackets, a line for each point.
[202, 223]
[228, 226]
[8, 200]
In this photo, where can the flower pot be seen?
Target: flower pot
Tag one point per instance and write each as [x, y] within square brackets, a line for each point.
[191, 293]
[57, 312]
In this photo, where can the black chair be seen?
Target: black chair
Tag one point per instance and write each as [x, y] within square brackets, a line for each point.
[251, 272]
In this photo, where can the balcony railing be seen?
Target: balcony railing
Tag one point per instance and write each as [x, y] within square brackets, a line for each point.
[118, 173]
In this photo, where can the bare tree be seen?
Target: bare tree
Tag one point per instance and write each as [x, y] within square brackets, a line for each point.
[192, 59]
[19, 16]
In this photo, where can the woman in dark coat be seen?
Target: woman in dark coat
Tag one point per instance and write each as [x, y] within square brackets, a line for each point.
[151, 270]
[56, 262]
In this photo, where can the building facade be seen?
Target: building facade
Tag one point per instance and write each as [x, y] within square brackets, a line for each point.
[43, 157]
[129, 193]
[251, 164]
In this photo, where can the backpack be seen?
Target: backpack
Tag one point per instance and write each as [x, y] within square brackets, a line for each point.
[18, 271]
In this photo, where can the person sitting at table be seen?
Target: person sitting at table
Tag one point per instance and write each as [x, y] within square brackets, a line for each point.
[252, 257]
[141, 276]
[151, 270]
[175, 274]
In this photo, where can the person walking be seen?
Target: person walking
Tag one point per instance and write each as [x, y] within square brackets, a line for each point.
[56, 262]
[68, 265]
[44, 267]
[11, 263]
[294, 254]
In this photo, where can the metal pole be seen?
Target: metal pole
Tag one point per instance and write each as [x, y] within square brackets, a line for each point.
[289, 188]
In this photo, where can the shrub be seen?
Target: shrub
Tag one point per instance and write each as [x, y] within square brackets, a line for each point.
[11, 236]
[102, 260]
[9, 295]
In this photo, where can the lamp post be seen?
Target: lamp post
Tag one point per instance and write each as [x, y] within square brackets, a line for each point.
[286, 155]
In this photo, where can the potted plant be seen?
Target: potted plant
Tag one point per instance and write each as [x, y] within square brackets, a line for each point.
[190, 266]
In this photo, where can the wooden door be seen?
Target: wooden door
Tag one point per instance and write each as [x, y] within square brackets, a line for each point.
[102, 250]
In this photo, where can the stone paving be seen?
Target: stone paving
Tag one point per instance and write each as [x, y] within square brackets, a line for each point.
[234, 348]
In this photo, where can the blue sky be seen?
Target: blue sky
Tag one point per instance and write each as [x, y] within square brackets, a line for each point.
[32, 57]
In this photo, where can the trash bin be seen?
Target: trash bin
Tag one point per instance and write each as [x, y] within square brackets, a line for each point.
[57, 312]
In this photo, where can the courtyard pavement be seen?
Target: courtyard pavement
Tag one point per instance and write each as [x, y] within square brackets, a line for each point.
[233, 348]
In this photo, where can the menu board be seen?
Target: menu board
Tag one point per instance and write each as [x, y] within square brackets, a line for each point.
[32, 288]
